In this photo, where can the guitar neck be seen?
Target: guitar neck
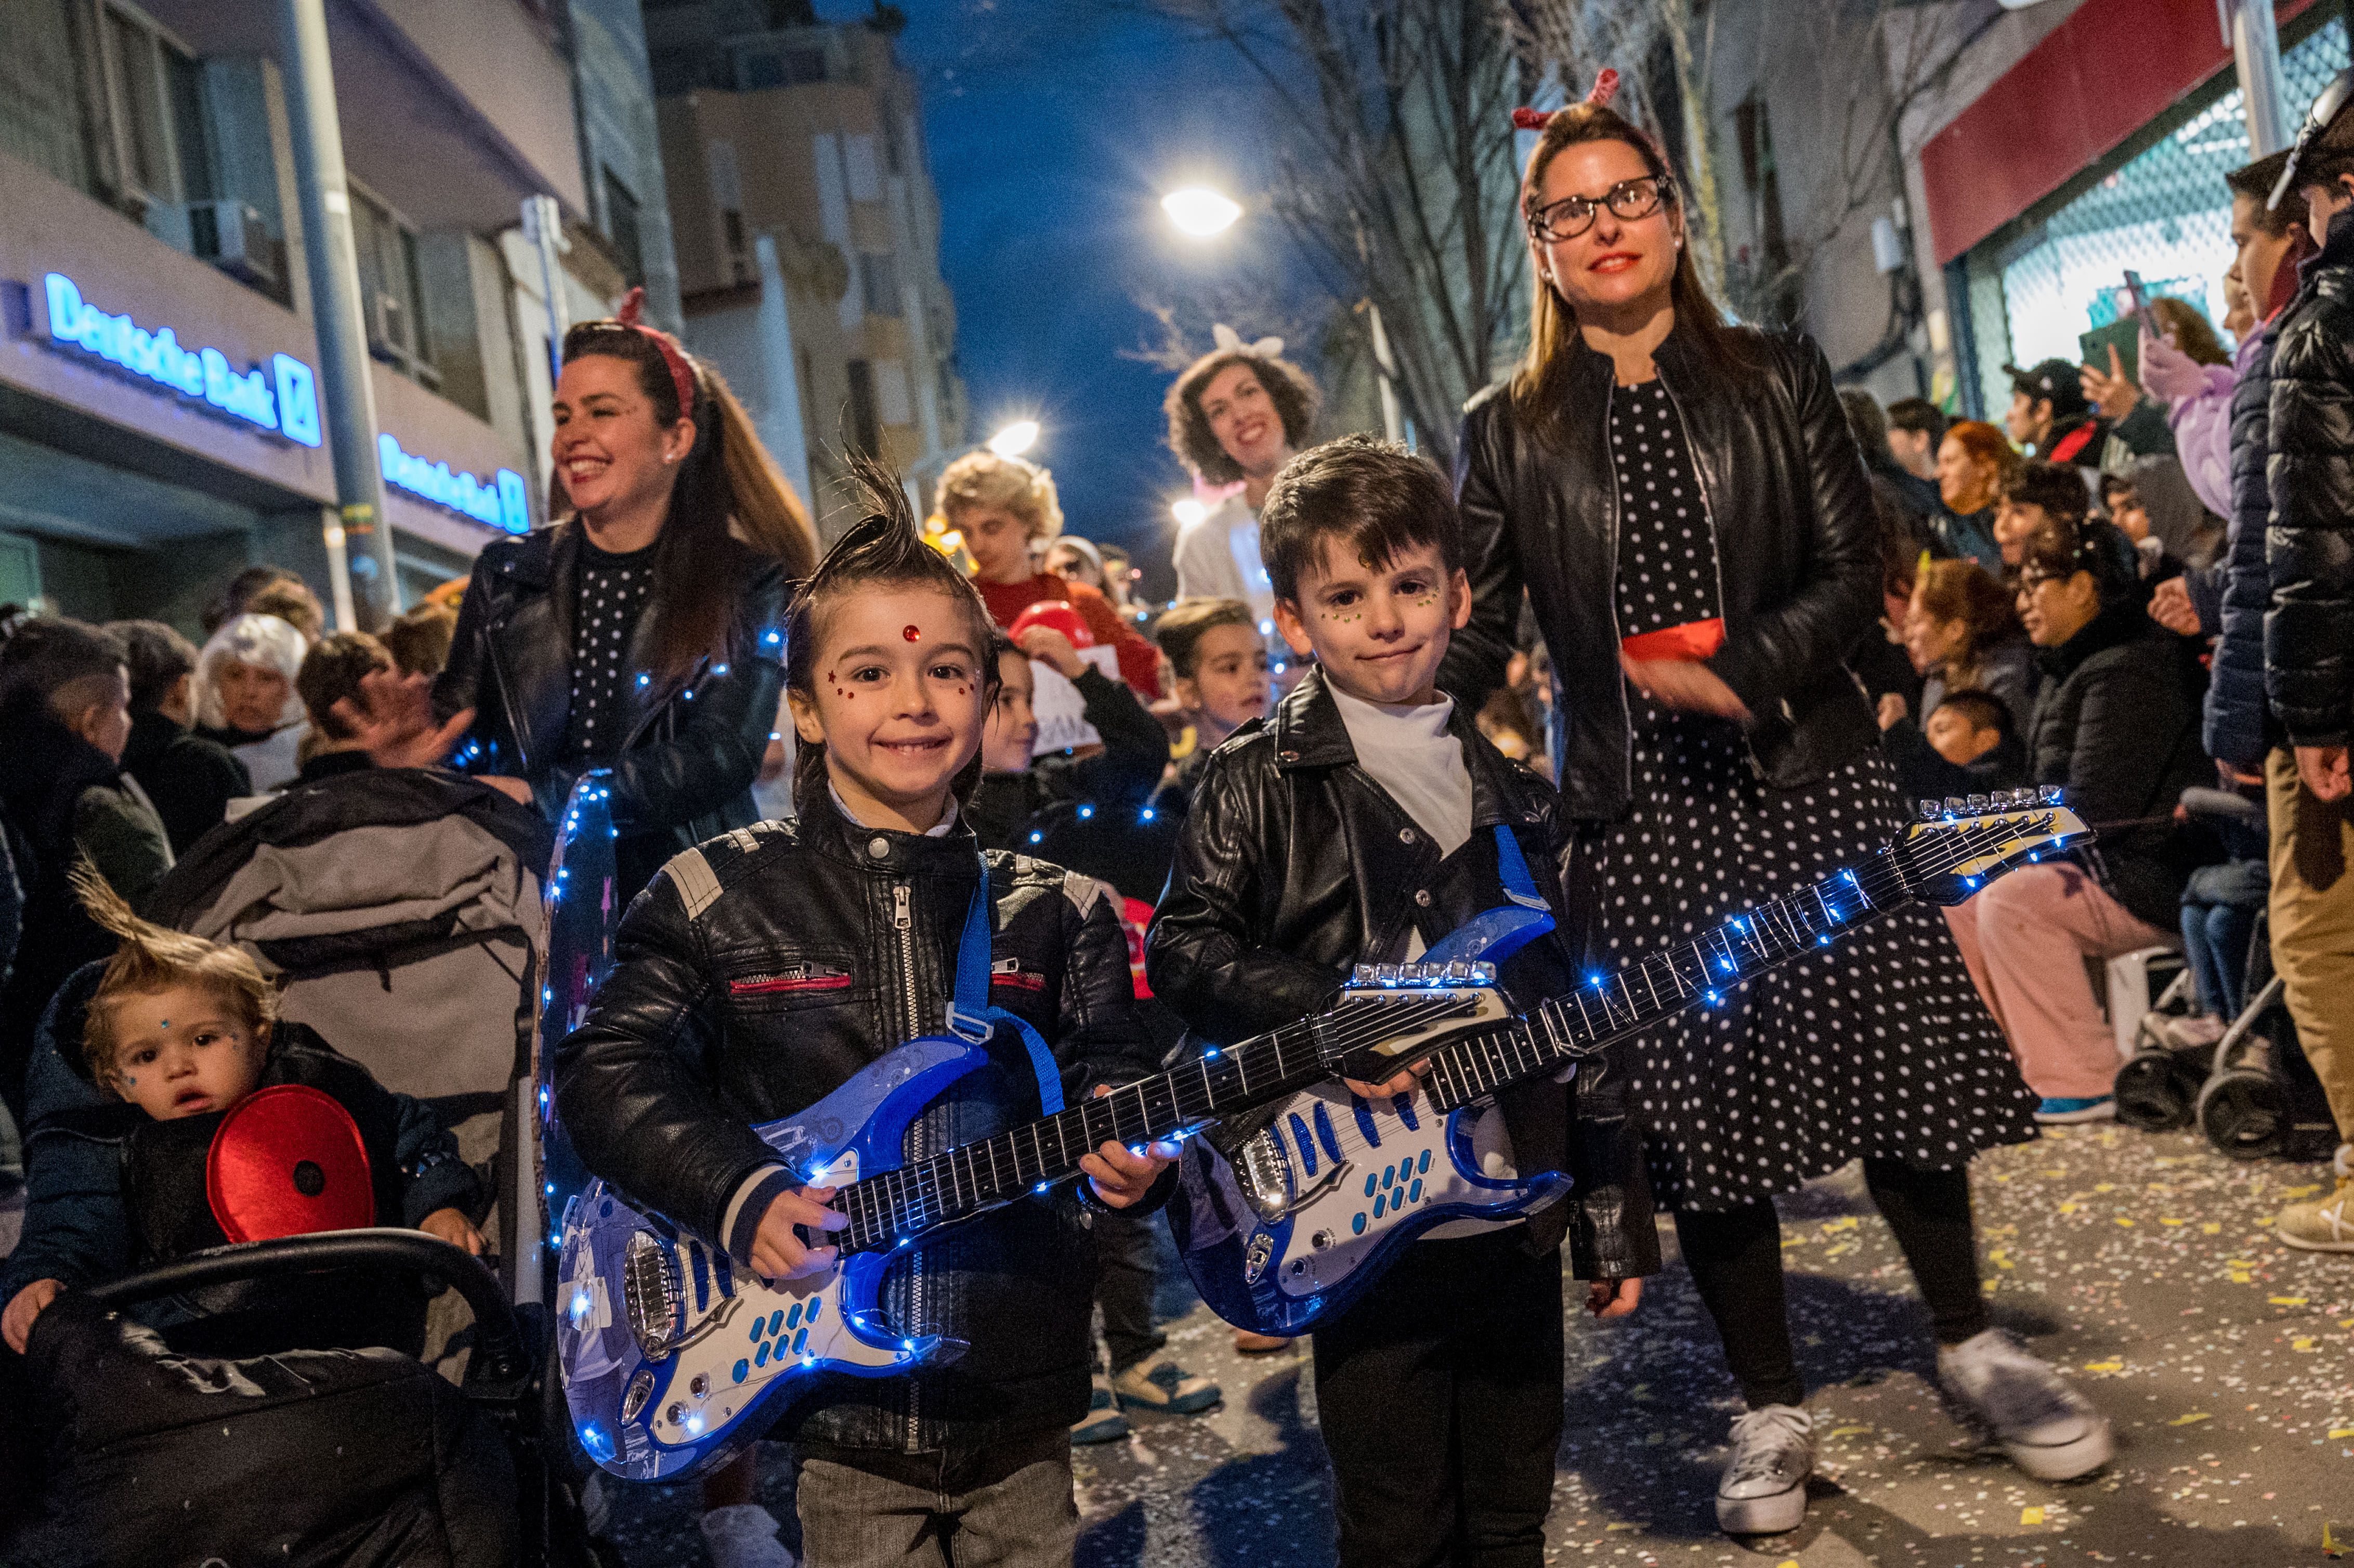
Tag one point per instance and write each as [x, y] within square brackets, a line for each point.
[892, 1208]
[1611, 1007]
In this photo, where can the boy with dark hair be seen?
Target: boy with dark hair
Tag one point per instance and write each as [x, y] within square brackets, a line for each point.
[1362, 823]
[2033, 495]
[1219, 663]
[1966, 745]
[1916, 428]
[190, 780]
[331, 685]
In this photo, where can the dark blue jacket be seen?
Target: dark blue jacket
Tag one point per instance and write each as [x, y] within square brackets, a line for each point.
[2238, 728]
[78, 1227]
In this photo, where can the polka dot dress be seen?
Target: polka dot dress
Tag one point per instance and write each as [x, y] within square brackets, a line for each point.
[613, 594]
[1877, 1045]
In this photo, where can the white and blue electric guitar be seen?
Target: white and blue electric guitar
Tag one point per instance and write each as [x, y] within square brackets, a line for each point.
[1322, 1196]
[673, 1359]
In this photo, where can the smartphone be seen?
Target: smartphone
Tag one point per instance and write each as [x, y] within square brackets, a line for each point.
[2138, 302]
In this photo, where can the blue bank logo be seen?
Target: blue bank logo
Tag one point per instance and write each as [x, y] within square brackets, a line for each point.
[501, 502]
[284, 398]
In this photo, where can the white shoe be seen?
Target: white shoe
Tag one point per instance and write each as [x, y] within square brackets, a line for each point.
[2047, 1428]
[1763, 1491]
[744, 1535]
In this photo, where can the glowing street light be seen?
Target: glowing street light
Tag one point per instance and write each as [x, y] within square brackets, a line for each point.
[1199, 211]
[1015, 439]
[1188, 512]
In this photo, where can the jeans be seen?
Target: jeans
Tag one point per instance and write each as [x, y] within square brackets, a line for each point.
[2215, 940]
[1007, 1506]
[1127, 1260]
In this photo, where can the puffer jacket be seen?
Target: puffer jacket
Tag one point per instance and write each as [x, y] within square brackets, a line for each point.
[693, 749]
[1798, 556]
[2239, 728]
[2116, 727]
[762, 969]
[2309, 548]
[1294, 865]
[80, 1225]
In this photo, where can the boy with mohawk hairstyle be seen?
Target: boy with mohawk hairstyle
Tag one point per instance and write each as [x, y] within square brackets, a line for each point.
[185, 1030]
[1362, 823]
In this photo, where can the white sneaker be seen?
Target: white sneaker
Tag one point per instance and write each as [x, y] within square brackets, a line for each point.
[2047, 1428]
[744, 1535]
[1763, 1491]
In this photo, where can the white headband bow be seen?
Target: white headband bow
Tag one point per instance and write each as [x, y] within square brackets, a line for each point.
[1229, 341]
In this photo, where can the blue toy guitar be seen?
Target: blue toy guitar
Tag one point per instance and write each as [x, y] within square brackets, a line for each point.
[673, 1359]
[1329, 1188]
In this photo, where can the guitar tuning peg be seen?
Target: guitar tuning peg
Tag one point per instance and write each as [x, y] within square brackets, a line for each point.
[1386, 974]
[1977, 804]
[1956, 805]
[1483, 974]
[1457, 972]
[1929, 812]
[1362, 974]
[2049, 795]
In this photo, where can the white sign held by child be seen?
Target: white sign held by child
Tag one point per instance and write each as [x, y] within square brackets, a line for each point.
[1062, 711]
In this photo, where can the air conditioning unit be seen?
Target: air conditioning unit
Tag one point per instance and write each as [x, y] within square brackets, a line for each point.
[388, 327]
[232, 236]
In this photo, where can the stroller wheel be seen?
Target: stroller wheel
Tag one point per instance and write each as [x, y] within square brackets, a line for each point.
[2157, 1091]
[2243, 1112]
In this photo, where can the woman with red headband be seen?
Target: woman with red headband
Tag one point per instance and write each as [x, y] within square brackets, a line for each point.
[642, 632]
[1684, 503]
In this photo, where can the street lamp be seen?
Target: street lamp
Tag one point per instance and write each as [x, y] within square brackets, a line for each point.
[1015, 439]
[1200, 212]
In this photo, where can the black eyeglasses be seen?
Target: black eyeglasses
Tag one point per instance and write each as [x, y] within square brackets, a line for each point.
[1628, 200]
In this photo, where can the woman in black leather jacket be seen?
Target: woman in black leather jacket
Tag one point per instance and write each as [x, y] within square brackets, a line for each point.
[643, 632]
[1686, 507]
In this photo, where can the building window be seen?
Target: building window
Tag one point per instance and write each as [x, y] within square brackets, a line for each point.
[622, 229]
[764, 69]
[152, 119]
[392, 295]
[865, 429]
[1765, 262]
[878, 279]
[42, 114]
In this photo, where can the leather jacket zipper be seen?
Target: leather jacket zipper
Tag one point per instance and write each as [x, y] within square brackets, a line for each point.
[903, 923]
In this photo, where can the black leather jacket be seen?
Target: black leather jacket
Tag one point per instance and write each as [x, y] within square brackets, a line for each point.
[756, 975]
[692, 750]
[1294, 865]
[1797, 560]
[2309, 548]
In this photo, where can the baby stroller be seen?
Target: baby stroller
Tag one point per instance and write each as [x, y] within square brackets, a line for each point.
[2251, 1094]
[344, 1457]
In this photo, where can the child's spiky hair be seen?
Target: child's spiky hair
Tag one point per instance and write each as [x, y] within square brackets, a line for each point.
[884, 549]
[152, 959]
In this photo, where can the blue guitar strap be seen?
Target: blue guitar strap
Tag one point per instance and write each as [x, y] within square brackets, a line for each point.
[1519, 886]
[970, 1015]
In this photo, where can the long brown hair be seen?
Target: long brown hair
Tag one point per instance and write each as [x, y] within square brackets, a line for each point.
[1539, 387]
[729, 496]
[1965, 591]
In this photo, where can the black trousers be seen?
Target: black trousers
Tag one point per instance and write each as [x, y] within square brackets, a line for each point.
[1127, 1259]
[1439, 1394]
[1735, 1258]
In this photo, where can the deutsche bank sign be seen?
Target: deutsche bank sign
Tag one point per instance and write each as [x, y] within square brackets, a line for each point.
[285, 399]
[503, 503]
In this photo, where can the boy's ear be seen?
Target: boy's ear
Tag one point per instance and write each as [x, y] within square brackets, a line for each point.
[1187, 693]
[1458, 593]
[1287, 622]
[806, 724]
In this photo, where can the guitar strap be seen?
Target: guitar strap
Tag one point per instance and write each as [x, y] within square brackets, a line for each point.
[1512, 867]
[972, 1018]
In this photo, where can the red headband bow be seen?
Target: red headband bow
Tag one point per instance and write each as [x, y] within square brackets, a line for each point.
[1605, 87]
[682, 374]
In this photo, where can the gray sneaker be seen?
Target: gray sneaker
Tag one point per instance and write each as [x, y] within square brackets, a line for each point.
[1763, 1491]
[2047, 1428]
[1103, 1423]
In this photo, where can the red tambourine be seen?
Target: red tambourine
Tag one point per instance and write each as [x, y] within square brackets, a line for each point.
[1054, 615]
[287, 1161]
[1688, 643]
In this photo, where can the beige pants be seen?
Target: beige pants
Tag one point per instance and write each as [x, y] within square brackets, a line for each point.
[2313, 927]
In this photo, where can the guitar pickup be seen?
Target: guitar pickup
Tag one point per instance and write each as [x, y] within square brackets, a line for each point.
[1430, 976]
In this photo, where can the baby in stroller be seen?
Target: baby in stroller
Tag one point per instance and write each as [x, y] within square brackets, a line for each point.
[185, 1031]
[2219, 906]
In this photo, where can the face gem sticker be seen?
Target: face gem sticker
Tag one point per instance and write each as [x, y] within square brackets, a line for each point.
[912, 634]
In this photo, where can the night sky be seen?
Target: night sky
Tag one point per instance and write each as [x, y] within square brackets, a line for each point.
[1055, 127]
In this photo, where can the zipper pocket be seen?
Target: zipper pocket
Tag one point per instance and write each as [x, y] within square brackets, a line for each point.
[772, 985]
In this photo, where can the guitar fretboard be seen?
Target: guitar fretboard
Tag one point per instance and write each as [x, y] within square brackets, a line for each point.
[1613, 1006]
[889, 1209]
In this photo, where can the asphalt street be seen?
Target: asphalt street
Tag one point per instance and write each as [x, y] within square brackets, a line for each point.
[2142, 1265]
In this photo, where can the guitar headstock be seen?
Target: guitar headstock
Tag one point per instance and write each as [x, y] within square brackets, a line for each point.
[1963, 843]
